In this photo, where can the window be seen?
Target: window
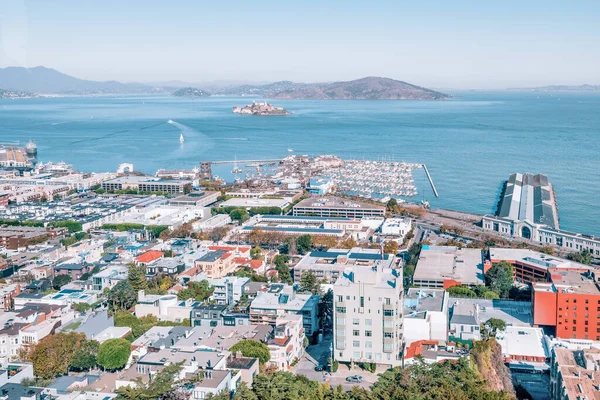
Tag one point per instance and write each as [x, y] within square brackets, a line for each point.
[348, 298]
[368, 322]
[388, 313]
[388, 324]
[356, 343]
[341, 310]
[355, 332]
[355, 321]
[340, 298]
[356, 354]
[388, 335]
[368, 344]
[387, 301]
[362, 301]
[368, 333]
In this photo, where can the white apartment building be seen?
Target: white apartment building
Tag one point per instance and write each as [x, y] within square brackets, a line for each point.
[287, 344]
[368, 319]
[228, 290]
[396, 226]
[425, 315]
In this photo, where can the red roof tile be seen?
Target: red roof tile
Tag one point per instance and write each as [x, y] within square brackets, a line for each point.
[149, 256]
[255, 264]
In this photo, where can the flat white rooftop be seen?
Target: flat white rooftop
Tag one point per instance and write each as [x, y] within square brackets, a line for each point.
[440, 263]
[522, 341]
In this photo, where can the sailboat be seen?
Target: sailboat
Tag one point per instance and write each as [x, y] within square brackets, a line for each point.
[236, 169]
[181, 139]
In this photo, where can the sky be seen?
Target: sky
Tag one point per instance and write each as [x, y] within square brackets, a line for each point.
[440, 44]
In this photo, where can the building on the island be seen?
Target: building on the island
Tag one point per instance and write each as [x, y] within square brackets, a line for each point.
[329, 265]
[441, 267]
[368, 309]
[569, 304]
[281, 299]
[532, 266]
[425, 315]
[465, 323]
[337, 207]
[148, 184]
[216, 264]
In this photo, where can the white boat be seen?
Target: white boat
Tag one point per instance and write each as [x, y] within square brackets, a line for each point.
[170, 121]
[290, 150]
[181, 139]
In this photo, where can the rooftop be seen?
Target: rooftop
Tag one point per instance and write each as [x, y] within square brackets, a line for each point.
[337, 202]
[213, 256]
[149, 256]
[534, 258]
[450, 263]
[283, 297]
[418, 301]
[522, 341]
[569, 281]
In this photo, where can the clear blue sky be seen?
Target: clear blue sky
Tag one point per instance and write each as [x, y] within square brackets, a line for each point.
[444, 44]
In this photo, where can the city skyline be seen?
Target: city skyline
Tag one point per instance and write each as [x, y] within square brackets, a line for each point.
[458, 45]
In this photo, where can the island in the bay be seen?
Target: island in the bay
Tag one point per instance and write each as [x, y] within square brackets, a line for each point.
[191, 92]
[260, 108]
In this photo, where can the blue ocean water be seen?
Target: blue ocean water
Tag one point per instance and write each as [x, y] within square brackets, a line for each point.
[470, 144]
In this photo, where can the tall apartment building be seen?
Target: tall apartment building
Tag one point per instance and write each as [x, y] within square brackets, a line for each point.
[368, 319]
[570, 303]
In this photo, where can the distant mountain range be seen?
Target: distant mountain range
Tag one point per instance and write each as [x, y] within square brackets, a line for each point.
[49, 81]
[44, 80]
[563, 88]
[370, 88]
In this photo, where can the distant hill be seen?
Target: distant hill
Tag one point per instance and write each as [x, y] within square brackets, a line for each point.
[47, 80]
[563, 88]
[370, 88]
[190, 92]
[10, 94]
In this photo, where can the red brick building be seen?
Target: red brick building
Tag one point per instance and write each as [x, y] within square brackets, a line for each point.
[570, 303]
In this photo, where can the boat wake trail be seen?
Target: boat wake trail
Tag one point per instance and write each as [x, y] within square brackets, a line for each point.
[190, 133]
[110, 135]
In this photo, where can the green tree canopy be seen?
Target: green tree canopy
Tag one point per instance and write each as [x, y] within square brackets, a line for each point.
[304, 243]
[495, 324]
[583, 257]
[60, 280]
[114, 353]
[283, 270]
[240, 215]
[122, 296]
[252, 348]
[199, 291]
[137, 277]
[52, 355]
[84, 358]
[309, 283]
[161, 386]
[500, 278]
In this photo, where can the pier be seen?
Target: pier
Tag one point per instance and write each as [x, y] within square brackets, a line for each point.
[430, 181]
[244, 161]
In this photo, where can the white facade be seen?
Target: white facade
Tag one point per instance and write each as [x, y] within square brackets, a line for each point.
[288, 343]
[228, 290]
[425, 315]
[396, 226]
[368, 314]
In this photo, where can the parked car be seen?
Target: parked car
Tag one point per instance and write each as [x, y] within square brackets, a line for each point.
[354, 379]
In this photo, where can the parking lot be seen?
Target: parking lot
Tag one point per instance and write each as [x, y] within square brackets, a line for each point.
[318, 355]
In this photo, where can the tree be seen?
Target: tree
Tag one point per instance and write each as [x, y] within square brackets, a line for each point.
[122, 296]
[500, 278]
[390, 247]
[114, 353]
[240, 215]
[256, 253]
[60, 280]
[199, 291]
[348, 243]
[52, 355]
[324, 242]
[304, 243]
[461, 291]
[81, 307]
[84, 357]
[309, 283]
[283, 270]
[583, 257]
[137, 277]
[162, 386]
[495, 324]
[326, 311]
[391, 204]
[252, 348]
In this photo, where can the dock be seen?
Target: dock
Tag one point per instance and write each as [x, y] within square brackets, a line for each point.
[435, 192]
[244, 161]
